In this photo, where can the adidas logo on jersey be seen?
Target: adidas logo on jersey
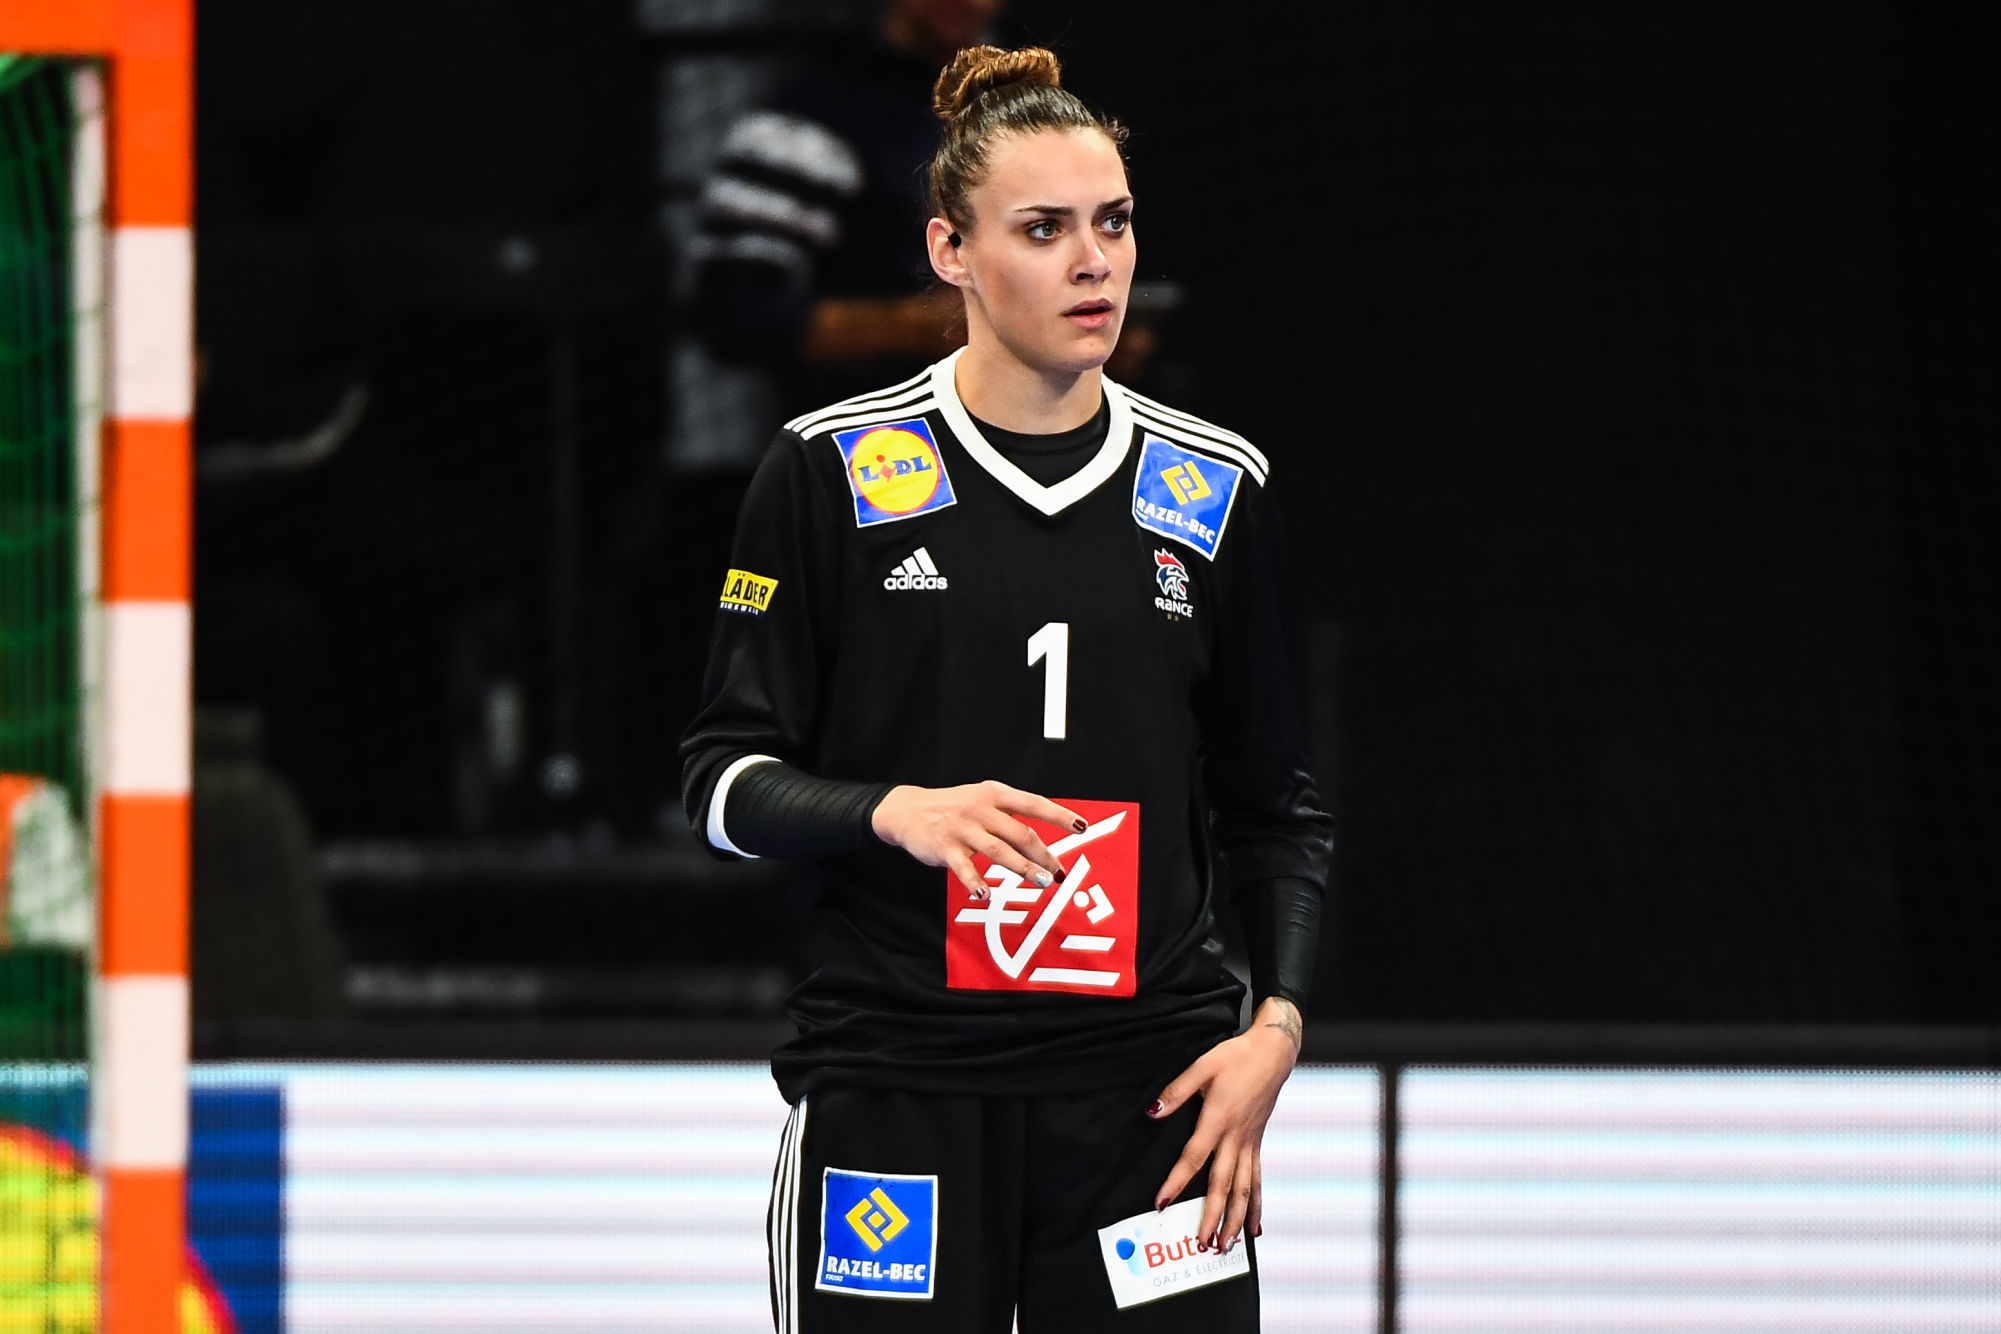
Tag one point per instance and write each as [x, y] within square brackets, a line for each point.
[916, 572]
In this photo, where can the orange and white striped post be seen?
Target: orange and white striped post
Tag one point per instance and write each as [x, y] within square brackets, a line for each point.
[140, 1088]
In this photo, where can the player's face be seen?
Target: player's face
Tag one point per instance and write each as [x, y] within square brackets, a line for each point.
[1050, 255]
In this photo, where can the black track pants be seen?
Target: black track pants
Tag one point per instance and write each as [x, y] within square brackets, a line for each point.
[895, 1211]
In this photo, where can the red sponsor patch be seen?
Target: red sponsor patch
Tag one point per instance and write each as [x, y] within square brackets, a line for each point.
[1077, 935]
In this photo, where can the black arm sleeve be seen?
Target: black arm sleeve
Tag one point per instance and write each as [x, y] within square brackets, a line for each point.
[1281, 934]
[1275, 838]
[774, 810]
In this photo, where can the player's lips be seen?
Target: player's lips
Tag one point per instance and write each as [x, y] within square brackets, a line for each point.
[1091, 314]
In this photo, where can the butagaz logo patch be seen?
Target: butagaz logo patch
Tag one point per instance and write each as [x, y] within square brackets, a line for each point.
[878, 1234]
[916, 572]
[746, 592]
[894, 471]
[1172, 576]
[1078, 935]
[1153, 1255]
[1184, 495]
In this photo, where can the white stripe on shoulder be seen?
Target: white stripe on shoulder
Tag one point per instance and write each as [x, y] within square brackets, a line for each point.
[798, 147]
[753, 247]
[882, 415]
[1197, 423]
[1252, 461]
[732, 199]
[713, 827]
[1207, 429]
[805, 420]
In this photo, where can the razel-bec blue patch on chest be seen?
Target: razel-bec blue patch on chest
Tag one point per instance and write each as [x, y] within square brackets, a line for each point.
[894, 471]
[1184, 495]
[878, 1234]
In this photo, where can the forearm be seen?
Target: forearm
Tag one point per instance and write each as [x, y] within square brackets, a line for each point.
[1281, 920]
[775, 810]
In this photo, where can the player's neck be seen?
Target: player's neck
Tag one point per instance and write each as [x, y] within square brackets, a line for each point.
[1000, 389]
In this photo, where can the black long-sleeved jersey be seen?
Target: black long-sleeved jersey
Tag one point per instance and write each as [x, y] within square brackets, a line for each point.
[906, 605]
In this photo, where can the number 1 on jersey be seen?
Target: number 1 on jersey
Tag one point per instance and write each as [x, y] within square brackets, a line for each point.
[1052, 641]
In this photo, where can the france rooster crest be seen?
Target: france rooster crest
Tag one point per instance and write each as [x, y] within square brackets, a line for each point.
[1172, 576]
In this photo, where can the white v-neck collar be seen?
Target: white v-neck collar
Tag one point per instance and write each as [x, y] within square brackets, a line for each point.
[1049, 500]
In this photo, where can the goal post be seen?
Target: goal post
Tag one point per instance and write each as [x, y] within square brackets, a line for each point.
[131, 377]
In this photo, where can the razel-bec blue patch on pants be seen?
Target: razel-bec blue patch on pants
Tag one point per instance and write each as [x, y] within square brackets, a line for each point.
[878, 1234]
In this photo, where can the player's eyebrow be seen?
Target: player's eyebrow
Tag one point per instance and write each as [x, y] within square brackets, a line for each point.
[1065, 211]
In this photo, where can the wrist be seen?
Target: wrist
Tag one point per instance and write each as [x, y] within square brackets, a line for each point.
[1276, 1012]
[882, 820]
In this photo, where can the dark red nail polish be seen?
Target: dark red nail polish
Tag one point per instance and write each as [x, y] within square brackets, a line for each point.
[1079, 825]
[1160, 1204]
[1155, 1109]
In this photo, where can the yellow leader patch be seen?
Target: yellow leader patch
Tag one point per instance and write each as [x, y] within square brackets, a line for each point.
[747, 592]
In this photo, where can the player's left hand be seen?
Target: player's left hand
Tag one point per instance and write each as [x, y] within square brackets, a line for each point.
[1239, 1082]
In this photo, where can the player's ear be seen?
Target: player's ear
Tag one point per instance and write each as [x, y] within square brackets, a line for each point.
[943, 243]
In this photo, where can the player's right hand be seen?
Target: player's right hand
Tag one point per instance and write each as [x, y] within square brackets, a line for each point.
[948, 826]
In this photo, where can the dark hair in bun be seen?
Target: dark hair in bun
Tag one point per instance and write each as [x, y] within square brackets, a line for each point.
[987, 92]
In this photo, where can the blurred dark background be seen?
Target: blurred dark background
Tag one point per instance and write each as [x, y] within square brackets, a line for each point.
[1631, 374]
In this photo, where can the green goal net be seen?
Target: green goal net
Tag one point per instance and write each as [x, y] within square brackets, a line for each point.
[47, 914]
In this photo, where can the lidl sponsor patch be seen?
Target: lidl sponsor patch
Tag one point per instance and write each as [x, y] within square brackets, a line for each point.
[894, 471]
[1184, 495]
[878, 1234]
[747, 593]
[1153, 1255]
